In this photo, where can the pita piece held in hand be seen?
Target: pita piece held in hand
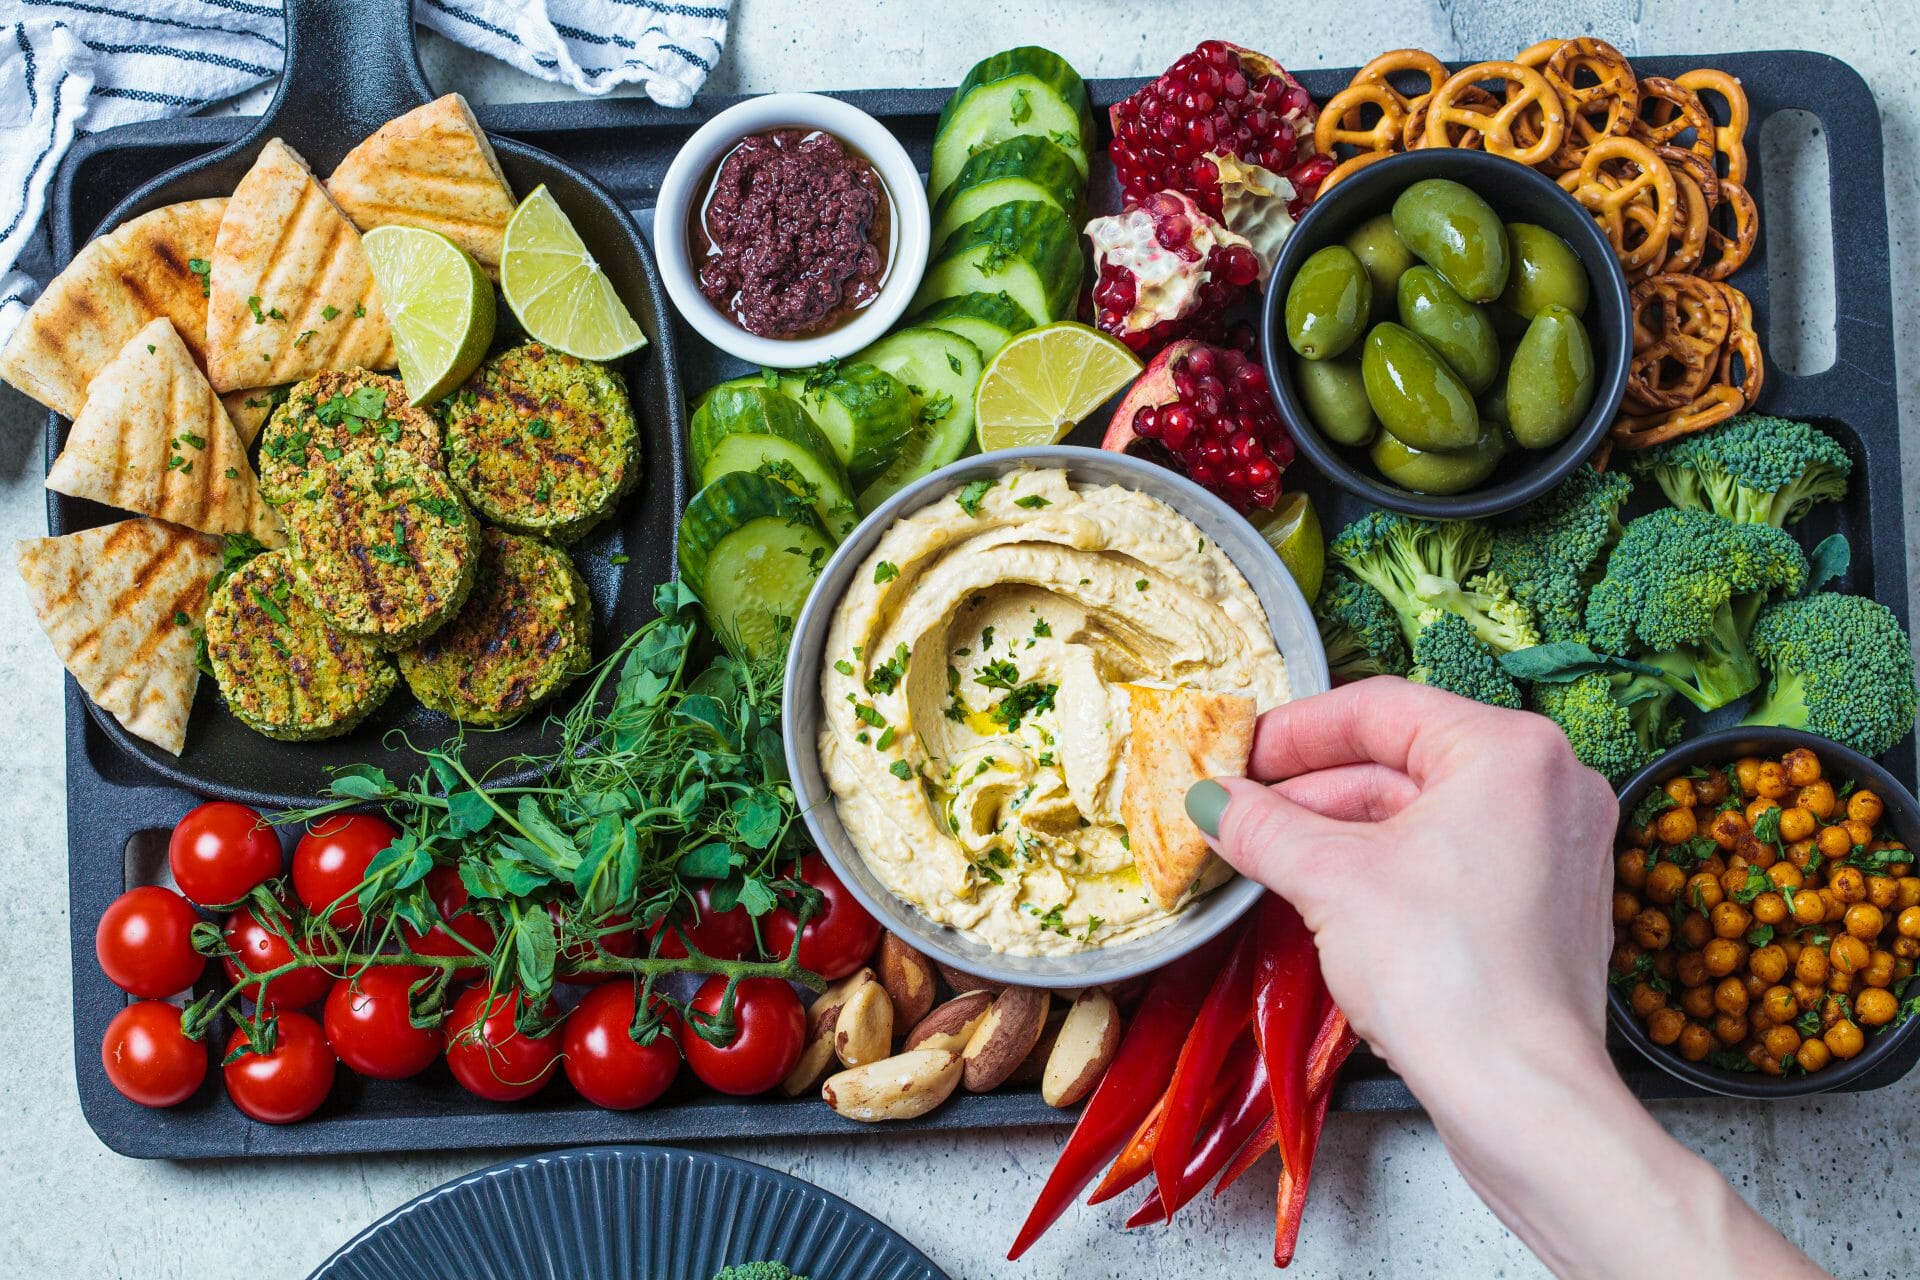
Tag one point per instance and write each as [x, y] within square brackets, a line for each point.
[292, 291]
[434, 168]
[120, 604]
[1176, 737]
[111, 289]
[154, 439]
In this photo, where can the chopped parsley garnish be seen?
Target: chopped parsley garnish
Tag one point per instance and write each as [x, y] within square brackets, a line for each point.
[844, 667]
[1033, 502]
[268, 607]
[443, 508]
[359, 310]
[1050, 919]
[1023, 702]
[1022, 110]
[149, 348]
[187, 437]
[998, 675]
[937, 408]
[253, 305]
[394, 553]
[619, 557]
[953, 362]
[901, 770]
[885, 571]
[885, 740]
[887, 676]
[233, 473]
[180, 619]
[539, 429]
[204, 269]
[329, 311]
[305, 334]
[865, 713]
[1093, 923]
[1140, 584]
[1041, 629]
[971, 495]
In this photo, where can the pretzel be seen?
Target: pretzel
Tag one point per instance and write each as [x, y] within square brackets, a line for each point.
[1527, 90]
[1634, 432]
[1413, 135]
[1704, 175]
[1346, 168]
[1743, 343]
[1725, 255]
[1691, 225]
[1536, 55]
[1652, 184]
[1668, 113]
[1728, 139]
[1393, 61]
[1680, 323]
[1339, 121]
[1614, 97]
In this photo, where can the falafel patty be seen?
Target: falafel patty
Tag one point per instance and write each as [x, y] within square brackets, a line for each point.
[282, 668]
[383, 546]
[526, 631]
[332, 412]
[542, 442]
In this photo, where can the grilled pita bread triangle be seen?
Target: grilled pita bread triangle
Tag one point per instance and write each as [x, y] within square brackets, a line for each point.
[249, 411]
[1175, 737]
[110, 290]
[292, 291]
[431, 168]
[120, 604]
[153, 439]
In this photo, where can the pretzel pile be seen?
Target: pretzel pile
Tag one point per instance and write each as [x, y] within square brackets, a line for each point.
[1662, 175]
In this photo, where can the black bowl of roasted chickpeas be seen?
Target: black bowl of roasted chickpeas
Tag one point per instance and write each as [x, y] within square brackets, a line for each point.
[1766, 913]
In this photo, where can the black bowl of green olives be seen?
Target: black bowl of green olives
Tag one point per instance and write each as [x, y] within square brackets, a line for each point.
[1447, 334]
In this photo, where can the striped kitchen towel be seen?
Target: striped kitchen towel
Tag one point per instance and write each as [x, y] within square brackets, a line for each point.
[73, 67]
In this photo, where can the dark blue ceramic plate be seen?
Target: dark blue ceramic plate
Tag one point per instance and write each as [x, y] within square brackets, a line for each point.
[624, 1213]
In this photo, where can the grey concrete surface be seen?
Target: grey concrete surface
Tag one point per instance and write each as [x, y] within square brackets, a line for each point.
[1834, 1174]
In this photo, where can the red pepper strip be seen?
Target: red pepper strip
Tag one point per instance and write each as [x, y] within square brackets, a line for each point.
[1137, 1077]
[1136, 1159]
[1289, 1003]
[1227, 1012]
[1249, 1104]
[1293, 1185]
[1320, 1068]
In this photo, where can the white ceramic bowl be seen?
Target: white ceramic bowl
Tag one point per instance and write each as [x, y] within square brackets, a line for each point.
[912, 225]
[1288, 617]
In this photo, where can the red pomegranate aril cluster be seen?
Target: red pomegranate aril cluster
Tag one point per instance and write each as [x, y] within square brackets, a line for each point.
[1223, 429]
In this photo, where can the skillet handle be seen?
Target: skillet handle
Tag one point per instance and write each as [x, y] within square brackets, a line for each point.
[351, 66]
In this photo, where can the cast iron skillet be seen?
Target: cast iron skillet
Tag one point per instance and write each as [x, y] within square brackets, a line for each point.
[350, 67]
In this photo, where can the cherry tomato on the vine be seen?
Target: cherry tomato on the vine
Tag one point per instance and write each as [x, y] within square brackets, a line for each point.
[622, 940]
[770, 1029]
[145, 943]
[287, 1084]
[149, 1058]
[724, 935]
[219, 851]
[841, 935]
[602, 1061]
[450, 899]
[490, 1055]
[331, 860]
[261, 951]
[370, 1028]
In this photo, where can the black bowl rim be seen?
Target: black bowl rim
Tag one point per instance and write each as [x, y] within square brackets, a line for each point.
[1902, 807]
[1465, 166]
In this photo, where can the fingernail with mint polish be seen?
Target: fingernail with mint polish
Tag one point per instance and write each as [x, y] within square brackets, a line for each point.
[1206, 804]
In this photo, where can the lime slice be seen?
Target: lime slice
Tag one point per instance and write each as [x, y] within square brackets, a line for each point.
[1043, 382]
[439, 305]
[561, 296]
[1293, 531]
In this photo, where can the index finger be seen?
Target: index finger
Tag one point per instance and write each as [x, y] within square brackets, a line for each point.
[1384, 720]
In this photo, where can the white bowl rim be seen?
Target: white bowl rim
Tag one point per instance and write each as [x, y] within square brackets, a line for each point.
[913, 225]
[1202, 920]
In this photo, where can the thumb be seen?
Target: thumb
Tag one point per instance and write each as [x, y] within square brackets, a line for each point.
[1265, 835]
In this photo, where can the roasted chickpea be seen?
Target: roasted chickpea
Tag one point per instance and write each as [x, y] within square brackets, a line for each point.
[1800, 767]
[1807, 907]
[1883, 891]
[1832, 1010]
[1713, 866]
[1730, 1028]
[1903, 965]
[1879, 970]
[1859, 832]
[1697, 1002]
[1704, 892]
[1845, 1038]
[1630, 868]
[1841, 984]
[1831, 907]
[1785, 875]
[1664, 1025]
[1695, 1042]
[1695, 932]
[1690, 968]
[1769, 908]
[1644, 1000]
[1757, 809]
[1663, 883]
[1731, 996]
[1848, 955]
[1712, 789]
[1796, 824]
[1800, 853]
[1772, 782]
[1763, 854]
[1676, 826]
[1663, 963]
[1734, 878]
[1731, 920]
[1907, 923]
[1625, 955]
[1833, 842]
[1791, 946]
[1875, 1007]
[1768, 963]
[1726, 828]
[1781, 1042]
[1865, 806]
[1849, 884]
[1779, 1005]
[1722, 957]
[1756, 985]
[1680, 791]
[1906, 949]
[1813, 1055]
[1807, 995]
[1758, 1023]
[1864, 921]
[1817, 798]
[1811, 968]
[1652, 929]
[1909, 892]
[1625, 907]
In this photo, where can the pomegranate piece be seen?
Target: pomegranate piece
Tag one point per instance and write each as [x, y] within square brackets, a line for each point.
[1208, 412]
[1166, 269]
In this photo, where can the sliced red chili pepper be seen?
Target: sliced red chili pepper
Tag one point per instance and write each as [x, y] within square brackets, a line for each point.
[1227, 1012]
[1246, 1103]
[1320, 1070]
[1292, 1204]
[1137, 1077]
[1289, 1005]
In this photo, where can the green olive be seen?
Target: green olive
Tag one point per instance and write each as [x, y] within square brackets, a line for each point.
[1545, 270]
[1381, 252]
[1328, 303]
[1448, 471]
[1550, 383]
[1413, 392]
[1451, 325]
[1335, 395]
[1456, 233]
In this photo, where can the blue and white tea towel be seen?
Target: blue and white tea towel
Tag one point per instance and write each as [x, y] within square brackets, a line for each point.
[73, 67]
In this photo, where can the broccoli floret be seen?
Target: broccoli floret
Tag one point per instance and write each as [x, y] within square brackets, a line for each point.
[1423, 567]
[1360, 630]
[1842, 667]
[759, 1271]
[1448, 655]
[1755, 469]
[1615, 721]
[1552, 556]
[1681, 591]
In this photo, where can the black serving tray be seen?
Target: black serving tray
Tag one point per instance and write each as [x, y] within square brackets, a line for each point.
[625, 145]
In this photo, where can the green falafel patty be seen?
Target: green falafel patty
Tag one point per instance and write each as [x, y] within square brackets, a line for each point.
[526, 631]
[383, 546]
[331, 413]
[283, 669]
[542, 442]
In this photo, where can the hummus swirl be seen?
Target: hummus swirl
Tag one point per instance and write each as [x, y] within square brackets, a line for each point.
[974, 729]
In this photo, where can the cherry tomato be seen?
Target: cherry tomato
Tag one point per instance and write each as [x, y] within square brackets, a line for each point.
[149, 1059]
[769, 1031]
[603, 1062]
[724, 935]
[145, 942]
[331, 860]
[368, 1024]
[221, 850]
[624, 941]
[450, 899]
[841, 935]
[287, 1084]
[493, 1058]
[261, 950]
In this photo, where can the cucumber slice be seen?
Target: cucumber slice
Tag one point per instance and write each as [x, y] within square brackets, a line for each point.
[995, 308]
[986, 336]
[751, 550]
[1023, 168]
[744, 425]
[1025, 91]
[863, 411]
[1028, 248]
[945, 368]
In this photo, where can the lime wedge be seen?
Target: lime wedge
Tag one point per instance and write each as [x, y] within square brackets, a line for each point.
[1293, 531]
[439, 305]
[1043, 382]
[559, 293]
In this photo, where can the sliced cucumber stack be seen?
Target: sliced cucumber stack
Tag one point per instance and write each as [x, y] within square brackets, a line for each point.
[1024, 92]
[1028, 249]
[864, 412]
[941, 369]
[745, 425]
[986, 320]
[751, 549]
[1023, 168]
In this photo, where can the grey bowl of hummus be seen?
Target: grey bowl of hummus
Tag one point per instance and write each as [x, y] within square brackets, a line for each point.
[957, 717]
